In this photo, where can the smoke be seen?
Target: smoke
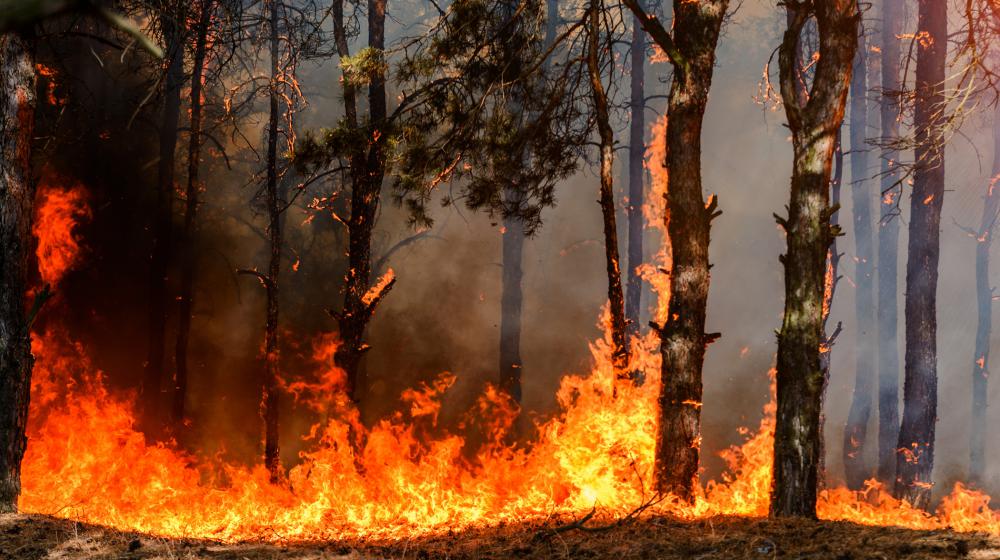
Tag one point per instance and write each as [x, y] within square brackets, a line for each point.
[443, 314]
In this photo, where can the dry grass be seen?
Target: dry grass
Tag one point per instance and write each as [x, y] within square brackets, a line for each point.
[37, 537]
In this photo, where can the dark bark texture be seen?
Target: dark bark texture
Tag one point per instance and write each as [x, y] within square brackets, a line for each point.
[367, 170]
[152, 395]
[691, 50]
[188, 247]
[856, 430]
[984, 327]
[616, 297]
[17, 192]
[915, 450]
[814, 125]
[636, 175]
[888, 245]
[270, 389]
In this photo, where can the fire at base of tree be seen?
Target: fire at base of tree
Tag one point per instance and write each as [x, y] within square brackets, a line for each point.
[289, 278]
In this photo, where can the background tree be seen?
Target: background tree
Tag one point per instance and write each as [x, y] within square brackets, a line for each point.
[915, 449]
[636, 174]
[814, 124]
[171, 17]
[17, 193]
[984, 307]
[856, 430]
[466, 124]
[691, 51]
[187, 247]
[888, 241]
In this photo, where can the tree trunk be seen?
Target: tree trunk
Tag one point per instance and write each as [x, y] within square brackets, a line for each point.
[189, 257]
[888, 246]
[367, 172]
[616, 298]
[636, 174]
[984, 304]
[269, 398]
[163, 224]
[915, 450]
[856, 431]
[832, 280]
[511, 302]
[814, 126]
[17, 192]
[683, 338]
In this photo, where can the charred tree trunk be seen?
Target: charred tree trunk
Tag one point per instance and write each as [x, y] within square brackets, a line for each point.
[189, 257]
[17, 193]
[832, 280]
[616, 298]
[888, 246]
[856, 431]
[814, 126]
[984, 328]
[163, 223]
[915, 450]
[269, 397]
[367, 172]
[636, 174]
[683, 339]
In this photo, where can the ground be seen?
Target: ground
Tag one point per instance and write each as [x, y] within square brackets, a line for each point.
[37, 537]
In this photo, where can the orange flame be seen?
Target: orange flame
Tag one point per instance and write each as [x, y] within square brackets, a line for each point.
[87, 461]
[58, 211]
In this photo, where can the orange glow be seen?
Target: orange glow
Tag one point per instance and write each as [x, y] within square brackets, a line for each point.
[58, 209]
[87, 461]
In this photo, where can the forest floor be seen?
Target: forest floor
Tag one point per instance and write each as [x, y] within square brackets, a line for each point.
[36, 537]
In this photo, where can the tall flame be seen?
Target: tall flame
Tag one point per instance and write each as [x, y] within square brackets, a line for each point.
[58, 209]
[87, 461]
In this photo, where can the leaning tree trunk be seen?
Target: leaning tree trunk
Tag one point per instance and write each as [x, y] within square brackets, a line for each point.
[915, 450]
[888, 245]
[189, 257]
[17, 120]
[814, 125]
[616, 298]
[856, 431]
[163, 223]
[270, 389]
[367, 173]
[636, 173]
[984, 304]
[683, 339]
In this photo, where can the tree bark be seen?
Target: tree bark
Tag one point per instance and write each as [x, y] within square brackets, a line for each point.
[888, 245]
[367, 172]
[163, 224]
[269, 397]
[984, 327]
[915, 450]
[691, 50]
[189, 257]
[814, 125]
[856, 430]
[17, 192]
[636, 175]
[511, 302]
[616, 298]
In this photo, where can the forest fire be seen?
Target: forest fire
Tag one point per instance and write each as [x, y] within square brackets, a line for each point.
[328, 273]
[87, 460]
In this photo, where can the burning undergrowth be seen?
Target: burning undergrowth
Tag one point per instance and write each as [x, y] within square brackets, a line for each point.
[403, 477]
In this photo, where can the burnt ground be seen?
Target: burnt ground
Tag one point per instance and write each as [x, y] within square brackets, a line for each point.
[36, 537]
